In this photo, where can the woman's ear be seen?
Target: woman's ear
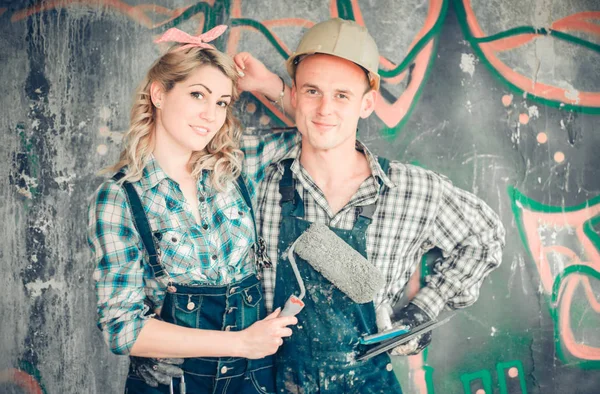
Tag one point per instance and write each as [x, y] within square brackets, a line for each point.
[156, 94]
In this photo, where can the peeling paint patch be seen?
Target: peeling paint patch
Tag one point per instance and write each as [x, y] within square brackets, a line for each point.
[65, 182]
[533, 112]
[467, 63]
[570, 92]
[35, 288]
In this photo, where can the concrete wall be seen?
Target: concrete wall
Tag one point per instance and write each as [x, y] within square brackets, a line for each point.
[502, 96]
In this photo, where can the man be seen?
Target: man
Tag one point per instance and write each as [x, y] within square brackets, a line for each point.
[335, 179]
[390, 212]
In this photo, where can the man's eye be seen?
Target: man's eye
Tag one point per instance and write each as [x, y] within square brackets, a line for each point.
[311, 91]
[342, 96]
[197, 95]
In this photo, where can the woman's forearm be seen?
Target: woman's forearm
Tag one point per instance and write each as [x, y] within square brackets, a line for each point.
[160, 339]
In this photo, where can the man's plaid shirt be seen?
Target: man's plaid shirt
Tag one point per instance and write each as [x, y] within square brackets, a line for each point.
[417, 210]
[214, 252]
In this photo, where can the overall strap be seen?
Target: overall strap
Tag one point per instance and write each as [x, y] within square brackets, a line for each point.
[260, 248]
[291, 203]
[365, 213]
[246, 196]
[141, 224]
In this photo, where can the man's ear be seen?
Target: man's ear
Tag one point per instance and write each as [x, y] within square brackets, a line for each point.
[156, 93]
[369, 100]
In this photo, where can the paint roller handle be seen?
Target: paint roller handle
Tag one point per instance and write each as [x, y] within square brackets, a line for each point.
[292, 306]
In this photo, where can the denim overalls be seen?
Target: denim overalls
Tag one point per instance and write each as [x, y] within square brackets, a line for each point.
[320, 355]
[231, 307]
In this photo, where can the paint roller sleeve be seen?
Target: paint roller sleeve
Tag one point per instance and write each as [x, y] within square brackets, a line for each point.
[338, 262]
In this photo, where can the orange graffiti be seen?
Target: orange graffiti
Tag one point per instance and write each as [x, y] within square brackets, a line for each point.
[579, 350]
[542, 230]
[490, 49]
[21, 379]
[139, 13]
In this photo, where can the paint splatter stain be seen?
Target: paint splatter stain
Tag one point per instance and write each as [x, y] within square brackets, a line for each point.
[264, 120]
[523, 118]
[104, 131]
[542, 138]
[102, 149]
[251, 108]
[559, 157]
[513, 372]
[507, 100]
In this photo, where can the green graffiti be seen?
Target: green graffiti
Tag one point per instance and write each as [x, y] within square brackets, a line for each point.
[507, 366]
[540, 31]
[30, 369]
[345, 10]
[390, 133]
[474, 41]
[263, 29]
[213, 15]
[484, 376]
[520, 202]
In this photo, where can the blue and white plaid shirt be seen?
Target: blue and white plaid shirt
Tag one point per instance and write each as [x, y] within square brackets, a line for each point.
[215, 251]
[417, 210]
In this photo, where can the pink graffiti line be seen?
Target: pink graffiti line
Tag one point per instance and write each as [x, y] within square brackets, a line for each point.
[590, 99]
[392, 113]
[21, 379]
[533, 222]
[139, 13]
[579, 350]
[580, 21]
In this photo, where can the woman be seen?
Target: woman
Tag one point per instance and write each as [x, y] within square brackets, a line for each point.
[175, 228]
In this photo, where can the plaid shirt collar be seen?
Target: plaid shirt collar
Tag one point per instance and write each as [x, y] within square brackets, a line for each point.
[376, 170]
[153, 175]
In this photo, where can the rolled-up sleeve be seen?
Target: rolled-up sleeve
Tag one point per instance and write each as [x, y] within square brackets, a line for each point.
[471, 237]
[119, 276]
[262, 151]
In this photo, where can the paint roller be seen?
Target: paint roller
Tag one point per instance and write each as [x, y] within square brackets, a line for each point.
[338, 262]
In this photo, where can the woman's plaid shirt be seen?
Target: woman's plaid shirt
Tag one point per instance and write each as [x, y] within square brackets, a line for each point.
[215, 251]
[417, 210]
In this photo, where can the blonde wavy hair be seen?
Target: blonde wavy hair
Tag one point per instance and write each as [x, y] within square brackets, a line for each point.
[221, 155]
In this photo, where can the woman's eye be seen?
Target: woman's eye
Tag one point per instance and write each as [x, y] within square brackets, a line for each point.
[223, 104]
[197, 95]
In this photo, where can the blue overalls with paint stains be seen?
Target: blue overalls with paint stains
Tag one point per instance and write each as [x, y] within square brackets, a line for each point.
[231, 307]
[320, 356]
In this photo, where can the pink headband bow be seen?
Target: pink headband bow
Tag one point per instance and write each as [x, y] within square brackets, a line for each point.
[176, 35]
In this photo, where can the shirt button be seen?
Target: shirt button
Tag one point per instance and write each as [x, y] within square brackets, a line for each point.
[205, 226]
[190, 306]
[249, 298]
[228, 328]
[240, 213]
[232, 290]
[389, 367]
[214, 257]
[174, 240]
[224, 370]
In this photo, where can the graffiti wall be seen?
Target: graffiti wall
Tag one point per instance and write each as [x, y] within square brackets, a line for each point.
[501, 96]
